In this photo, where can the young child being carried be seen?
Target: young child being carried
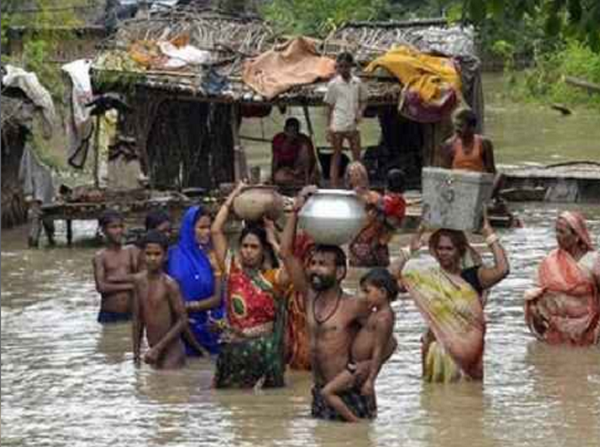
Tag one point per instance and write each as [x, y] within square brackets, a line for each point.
[114, 269]
[373, 345]
[159, 310]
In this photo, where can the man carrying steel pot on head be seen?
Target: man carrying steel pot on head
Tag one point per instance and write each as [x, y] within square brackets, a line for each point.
[334, 319]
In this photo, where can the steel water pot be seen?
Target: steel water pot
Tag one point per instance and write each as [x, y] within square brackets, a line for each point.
[333, 216]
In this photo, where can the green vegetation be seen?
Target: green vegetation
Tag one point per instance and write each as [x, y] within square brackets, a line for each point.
[545, 80]
[38, 46]
[319, 17]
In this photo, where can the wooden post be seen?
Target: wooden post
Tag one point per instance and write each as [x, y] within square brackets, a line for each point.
[311, 132]
[69, 225]
[97, 153]
[240, 166]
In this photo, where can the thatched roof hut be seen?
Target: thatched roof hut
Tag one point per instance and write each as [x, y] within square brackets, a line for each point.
[185, 115]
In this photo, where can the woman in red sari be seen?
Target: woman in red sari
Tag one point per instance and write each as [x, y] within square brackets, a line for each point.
[253, 352]
[564, 308]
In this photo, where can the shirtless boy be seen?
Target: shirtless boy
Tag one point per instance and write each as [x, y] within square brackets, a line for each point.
[158, 309]
[333, 317]
[373, 345]
[114, 268]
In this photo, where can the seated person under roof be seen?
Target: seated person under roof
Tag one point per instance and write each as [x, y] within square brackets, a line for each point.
[293, 162]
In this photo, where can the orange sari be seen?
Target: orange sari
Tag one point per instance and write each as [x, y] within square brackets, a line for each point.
[297, 340]
[565, 307]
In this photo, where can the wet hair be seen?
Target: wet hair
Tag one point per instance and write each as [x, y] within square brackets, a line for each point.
[156, 218]
[458, 238]
[109, 216]
[259, 231]
[292, 122]
[340, 256]
[466, 115]
[382, 279]
[345, 57]
[395, 180]
[156, 237]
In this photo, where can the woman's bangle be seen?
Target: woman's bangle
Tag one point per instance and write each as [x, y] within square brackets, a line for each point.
[491, 239]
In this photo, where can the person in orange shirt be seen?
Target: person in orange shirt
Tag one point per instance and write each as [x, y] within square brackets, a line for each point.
[466, 149]
[473, 152]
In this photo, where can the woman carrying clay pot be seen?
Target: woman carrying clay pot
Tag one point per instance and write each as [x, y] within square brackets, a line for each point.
[252, 354]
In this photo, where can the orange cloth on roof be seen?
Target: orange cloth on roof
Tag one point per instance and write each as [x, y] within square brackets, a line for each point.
[293, 63]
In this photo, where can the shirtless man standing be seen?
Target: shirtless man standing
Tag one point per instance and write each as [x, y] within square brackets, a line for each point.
[114, 268]
[333, 318]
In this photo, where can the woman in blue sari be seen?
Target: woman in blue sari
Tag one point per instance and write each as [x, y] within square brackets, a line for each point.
[199, 279]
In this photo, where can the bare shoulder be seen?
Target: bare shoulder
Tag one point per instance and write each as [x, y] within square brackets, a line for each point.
[170, 283]
[383, 321]
[359, 305]
[99, 256]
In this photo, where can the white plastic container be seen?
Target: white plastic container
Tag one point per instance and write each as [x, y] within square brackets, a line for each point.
[455, 199]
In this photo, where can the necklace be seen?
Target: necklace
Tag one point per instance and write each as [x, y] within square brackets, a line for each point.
[331, 314]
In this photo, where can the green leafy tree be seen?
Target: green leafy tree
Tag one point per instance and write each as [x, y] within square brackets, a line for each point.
[318, 17]
[578, 19]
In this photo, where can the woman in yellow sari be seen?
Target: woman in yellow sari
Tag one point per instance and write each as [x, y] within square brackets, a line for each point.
[449, 296]
[564, 308]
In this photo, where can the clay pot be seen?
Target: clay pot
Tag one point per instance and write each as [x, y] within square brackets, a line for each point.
[256, 202]
[332, 216]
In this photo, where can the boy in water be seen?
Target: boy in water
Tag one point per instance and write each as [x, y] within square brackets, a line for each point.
[372, 346]
[158, 308]
[114, 268]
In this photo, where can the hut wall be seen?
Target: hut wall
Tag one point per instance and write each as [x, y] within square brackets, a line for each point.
[181, 143]
[14, 210]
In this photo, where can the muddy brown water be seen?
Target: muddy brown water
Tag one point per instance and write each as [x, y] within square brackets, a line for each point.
[66, 380]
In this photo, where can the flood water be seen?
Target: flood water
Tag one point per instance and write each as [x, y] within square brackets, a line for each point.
[66, 380]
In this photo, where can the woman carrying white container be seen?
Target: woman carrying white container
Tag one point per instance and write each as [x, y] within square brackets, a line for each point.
[450, 296]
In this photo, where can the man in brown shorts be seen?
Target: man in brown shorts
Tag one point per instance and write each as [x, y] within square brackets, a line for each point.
[346, 99]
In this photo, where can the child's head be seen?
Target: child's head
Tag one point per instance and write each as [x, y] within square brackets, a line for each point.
[160, 221]
[155, 245]
[395, 181]
[111, 223]
[379, 285]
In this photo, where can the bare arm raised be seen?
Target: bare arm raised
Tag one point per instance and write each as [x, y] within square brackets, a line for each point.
[293, 264]
[490, 276]
[218, 235]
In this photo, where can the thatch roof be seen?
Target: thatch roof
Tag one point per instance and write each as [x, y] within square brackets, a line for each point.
[233, 39]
